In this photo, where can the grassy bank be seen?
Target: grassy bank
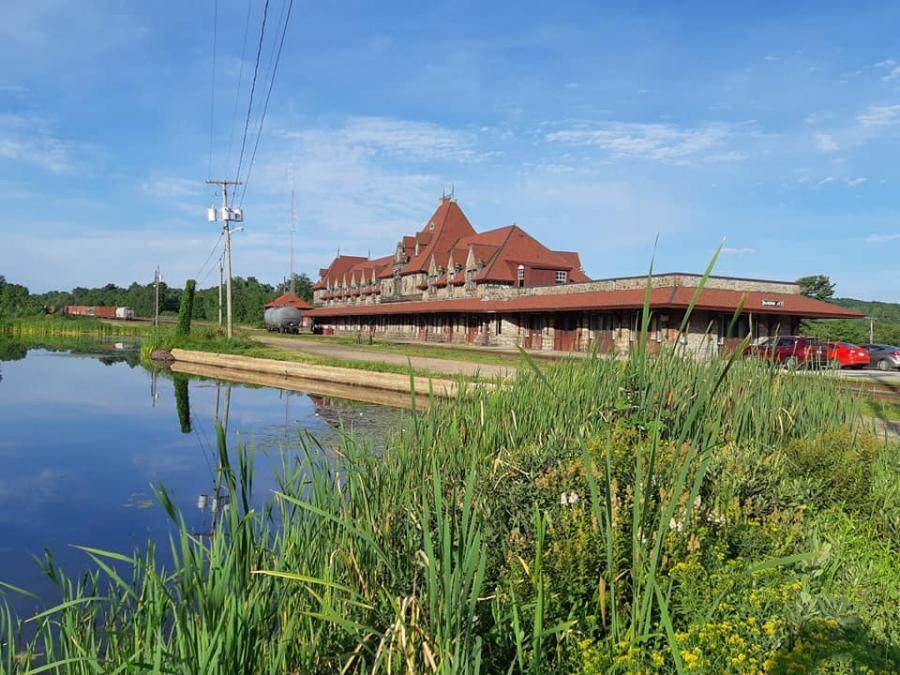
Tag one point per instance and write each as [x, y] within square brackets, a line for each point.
[434, 351]
[62, 326]
[597, 516]
[212, 339]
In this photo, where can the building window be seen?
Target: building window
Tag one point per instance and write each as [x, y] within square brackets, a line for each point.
[561, 276]
[520, 275]
[499, 324]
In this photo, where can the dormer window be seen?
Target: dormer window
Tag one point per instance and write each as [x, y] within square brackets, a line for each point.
[561, 276]
[417, 248]
[520, 275]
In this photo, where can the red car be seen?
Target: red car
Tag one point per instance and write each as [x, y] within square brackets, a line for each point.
[846, 354]
[791, 350]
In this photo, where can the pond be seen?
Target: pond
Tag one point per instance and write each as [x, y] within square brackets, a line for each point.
[86, 432]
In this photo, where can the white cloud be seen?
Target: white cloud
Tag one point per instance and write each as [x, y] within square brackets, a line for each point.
[892, 75]
[404, 139]
[854, 182]
[879, 238]
[826, 143]
[826, 180]
[30, 140]
[173, 187]
[877, 121]
[727, 250]
[657, 142]
[878, 117]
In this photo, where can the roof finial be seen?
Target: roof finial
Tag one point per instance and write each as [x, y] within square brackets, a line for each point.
[452, 192]
[339, 252]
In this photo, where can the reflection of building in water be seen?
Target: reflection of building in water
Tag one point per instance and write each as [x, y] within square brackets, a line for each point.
[354, 416]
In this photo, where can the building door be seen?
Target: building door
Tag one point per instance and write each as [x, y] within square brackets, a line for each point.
[471, 329]
[565, 332]
[534, 338]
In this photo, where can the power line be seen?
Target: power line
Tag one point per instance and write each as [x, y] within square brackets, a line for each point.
[266, 103]
[262, 34]
[209, 257]
[237, 92]
[212, 97]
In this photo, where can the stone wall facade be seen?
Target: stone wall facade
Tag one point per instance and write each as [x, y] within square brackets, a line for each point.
[609, 333]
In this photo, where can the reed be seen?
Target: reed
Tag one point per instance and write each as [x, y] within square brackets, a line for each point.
[67, 326]
[447, 553]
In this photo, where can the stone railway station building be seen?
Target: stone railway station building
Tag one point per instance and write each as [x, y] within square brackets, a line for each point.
[448, 283]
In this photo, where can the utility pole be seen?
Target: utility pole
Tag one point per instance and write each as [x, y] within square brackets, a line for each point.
[228, 215]
[221, 272]
[156, 302]
[293, 221]
[871, 330]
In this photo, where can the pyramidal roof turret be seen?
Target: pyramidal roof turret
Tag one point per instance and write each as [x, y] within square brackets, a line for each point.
[446, 226]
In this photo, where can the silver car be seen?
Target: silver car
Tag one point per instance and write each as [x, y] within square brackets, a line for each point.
[883, 357]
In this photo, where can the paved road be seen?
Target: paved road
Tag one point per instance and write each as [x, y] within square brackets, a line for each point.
[888, 378]
[329, 350]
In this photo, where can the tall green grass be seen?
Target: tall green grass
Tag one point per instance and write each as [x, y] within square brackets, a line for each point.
[67, 326]
[407, 561]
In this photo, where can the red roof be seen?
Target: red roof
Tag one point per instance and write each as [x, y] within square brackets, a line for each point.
[337, 270]
[672, 297]
[289, 300]
[449, 225]
[520, 248]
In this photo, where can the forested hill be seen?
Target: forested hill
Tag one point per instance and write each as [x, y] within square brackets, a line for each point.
[873, 308]
[886, 325]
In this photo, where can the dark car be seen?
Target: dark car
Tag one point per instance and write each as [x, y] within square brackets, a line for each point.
[791, 350]
[883, 357]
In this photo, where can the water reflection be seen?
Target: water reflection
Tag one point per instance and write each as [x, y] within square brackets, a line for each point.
[86, 433]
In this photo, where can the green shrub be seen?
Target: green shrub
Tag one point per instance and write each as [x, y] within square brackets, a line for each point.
[831, 469]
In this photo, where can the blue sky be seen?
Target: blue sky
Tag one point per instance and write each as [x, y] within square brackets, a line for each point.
[594, 126]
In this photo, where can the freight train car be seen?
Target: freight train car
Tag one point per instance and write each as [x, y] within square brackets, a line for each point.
[100, 312]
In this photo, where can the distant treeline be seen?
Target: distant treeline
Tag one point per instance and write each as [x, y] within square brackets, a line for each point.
[886, 323]
[248, 294]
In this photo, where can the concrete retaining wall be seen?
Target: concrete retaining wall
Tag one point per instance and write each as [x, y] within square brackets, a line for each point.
[345, 376]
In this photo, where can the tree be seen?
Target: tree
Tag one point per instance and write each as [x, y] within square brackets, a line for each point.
[817, 286]
[187, 305]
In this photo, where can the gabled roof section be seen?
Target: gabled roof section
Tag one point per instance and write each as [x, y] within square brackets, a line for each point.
[446, 226]
[576, 274]
[520, 248]
[339, 267]
[289, 300]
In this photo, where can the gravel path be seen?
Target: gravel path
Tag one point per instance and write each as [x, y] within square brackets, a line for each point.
[448, 366]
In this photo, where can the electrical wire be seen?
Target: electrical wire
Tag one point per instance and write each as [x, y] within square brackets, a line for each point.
[237, 92]
[262, 117]
[262, 35]
[212, 268]
[209, 257]
[212, 96]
